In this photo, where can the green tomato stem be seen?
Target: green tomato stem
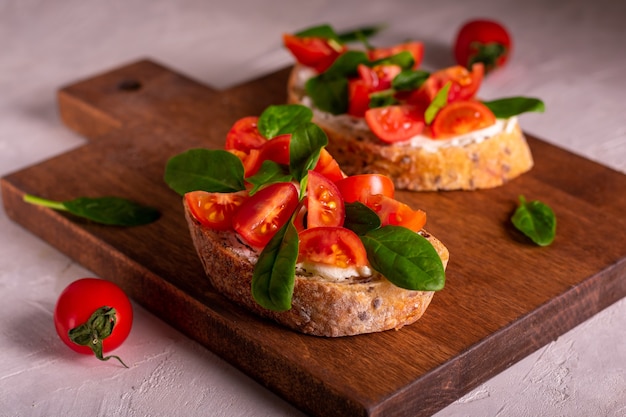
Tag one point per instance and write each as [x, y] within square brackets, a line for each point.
[56, 205]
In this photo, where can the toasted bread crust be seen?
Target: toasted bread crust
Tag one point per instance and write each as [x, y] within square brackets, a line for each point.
[485, 164]
[319, 307]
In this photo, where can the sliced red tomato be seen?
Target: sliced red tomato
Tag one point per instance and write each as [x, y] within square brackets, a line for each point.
[415, 48]
[485, 41]
[393, 212]
[275, 149]
[464, 84]
[261, 215]
[315, 52]
[328, 166]
[215, 210]
[325, 205]
[359, 187]
[461, 117]
[358, 97]
[369, 80]
[244, 135]
[395, 123]
[335, 246]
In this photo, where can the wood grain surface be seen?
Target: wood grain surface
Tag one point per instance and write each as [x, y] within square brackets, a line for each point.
[504, 297]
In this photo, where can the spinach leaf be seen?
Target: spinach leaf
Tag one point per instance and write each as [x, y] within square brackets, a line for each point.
[280, 119]
[409, 80]
[114, 211]
[274, 273]
[306, 144]
[205, 170]
[383, 98]
[327, 32]
[536, 220]
[403, 59]
[440, 100]
[321, 31]
[359, 34]
[269, 173]
[329, 90]
[512, 106]
[405, 258]
[360, 218]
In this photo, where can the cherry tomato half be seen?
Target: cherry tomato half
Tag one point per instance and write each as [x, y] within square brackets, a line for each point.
[335, 246]
[315, 52]
[393, 212]
[464, 84]
[485, 41]
[461, 117]
[264, 213]
[275, 149]
[415, 48]
[244, 135]
[76, 306]
[328, 166]
[325, 205]
[215, 210]
[368, 81]
[360, 187]
[395, 123]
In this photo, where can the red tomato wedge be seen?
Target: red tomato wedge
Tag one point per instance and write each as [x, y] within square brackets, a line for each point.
[415, 48]
[275, 149]
[485, 41]
[264, 213]
[464, 84]
[393, 212]
[461, 117]
[215, 210]
[244, 135]
[314, 52]
[328, 166]
[358, 97]
[369, 80]
[360, 187]
[335, 246]
[395, 123]
[325, 205]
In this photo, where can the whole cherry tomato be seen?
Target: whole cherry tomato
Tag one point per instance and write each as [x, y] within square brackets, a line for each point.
[485, 41]
[93, 316]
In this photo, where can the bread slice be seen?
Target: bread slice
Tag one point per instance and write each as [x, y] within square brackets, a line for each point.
[427, 165]
[320, 307]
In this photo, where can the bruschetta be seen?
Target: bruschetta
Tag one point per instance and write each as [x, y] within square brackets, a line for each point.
[282, 231]
[425, 130]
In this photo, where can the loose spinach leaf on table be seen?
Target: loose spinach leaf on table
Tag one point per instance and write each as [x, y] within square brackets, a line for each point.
[113, 211]
[536, 220]
[216, 171]
[405, 258]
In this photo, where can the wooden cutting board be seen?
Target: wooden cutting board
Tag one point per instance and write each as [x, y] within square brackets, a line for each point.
[504, 297]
